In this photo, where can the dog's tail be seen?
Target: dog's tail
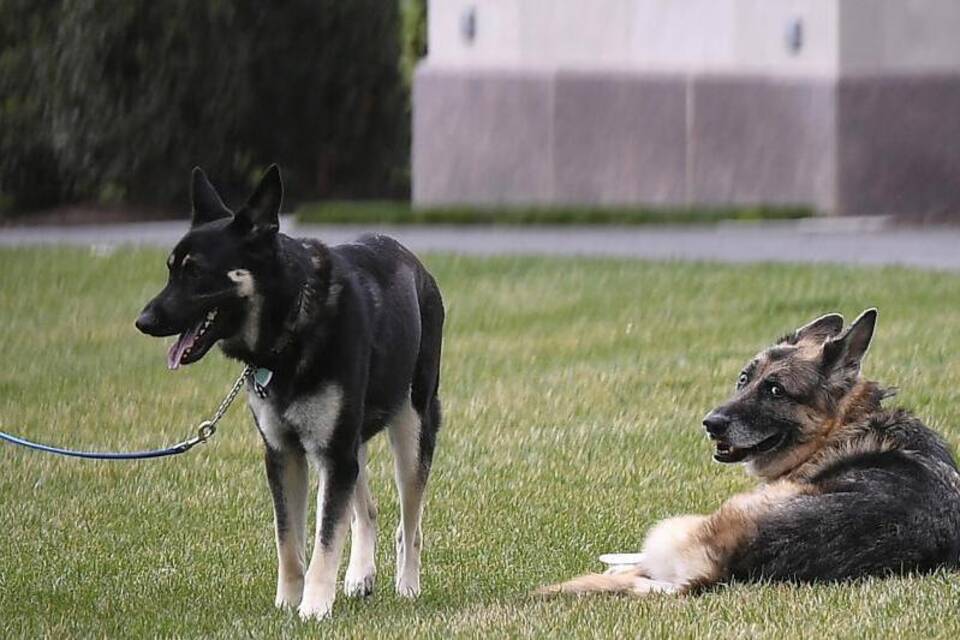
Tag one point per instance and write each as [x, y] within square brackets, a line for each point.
[630, 582]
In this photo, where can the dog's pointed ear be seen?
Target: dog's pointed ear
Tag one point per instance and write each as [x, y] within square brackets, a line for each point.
[845, 352]
[207, 205]
[261, 214]
[820, 330]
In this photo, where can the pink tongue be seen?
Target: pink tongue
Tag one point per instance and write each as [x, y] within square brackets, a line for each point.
[182, 344]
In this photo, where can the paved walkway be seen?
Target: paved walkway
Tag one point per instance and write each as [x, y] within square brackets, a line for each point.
[845, 241]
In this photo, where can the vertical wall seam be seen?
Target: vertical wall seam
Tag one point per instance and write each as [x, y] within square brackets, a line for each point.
[835, 170]
[835, 89]
[689, 150]
[552, 193]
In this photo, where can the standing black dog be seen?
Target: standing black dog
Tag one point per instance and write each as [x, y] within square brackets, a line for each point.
[346, 341]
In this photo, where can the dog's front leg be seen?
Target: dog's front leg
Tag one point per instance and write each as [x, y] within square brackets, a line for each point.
[678, 552]
[338, 476]
[694, 551]
[287, 475]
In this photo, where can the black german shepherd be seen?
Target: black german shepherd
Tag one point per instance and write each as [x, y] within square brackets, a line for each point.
[346, 341]
[851, 489]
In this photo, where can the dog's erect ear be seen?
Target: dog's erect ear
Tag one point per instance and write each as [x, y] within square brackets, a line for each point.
[820, 330]
[207, 205]
[844, 353]
[260, 216]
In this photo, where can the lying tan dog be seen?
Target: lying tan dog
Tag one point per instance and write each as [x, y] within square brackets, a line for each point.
[850, 488]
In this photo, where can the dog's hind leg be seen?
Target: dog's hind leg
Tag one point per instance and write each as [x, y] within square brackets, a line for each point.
[412, 470]
[413, 436]
[287, 476]
[362, 570]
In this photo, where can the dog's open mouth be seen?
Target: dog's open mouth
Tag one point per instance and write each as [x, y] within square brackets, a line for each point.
[192, 344]
[728, 454]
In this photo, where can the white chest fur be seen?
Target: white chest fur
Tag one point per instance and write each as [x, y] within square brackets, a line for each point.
[311, 418]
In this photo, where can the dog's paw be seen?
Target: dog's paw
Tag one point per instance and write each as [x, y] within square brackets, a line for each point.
[359, 585]
[289, 594]
[317, 603]
[408, 587]
[621, 562]
[315, 611]
[645, 586]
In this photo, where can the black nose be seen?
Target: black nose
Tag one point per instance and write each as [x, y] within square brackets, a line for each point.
[147, 322]
[716, 424]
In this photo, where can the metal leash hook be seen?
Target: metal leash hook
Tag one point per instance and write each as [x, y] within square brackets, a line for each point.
[205, 431]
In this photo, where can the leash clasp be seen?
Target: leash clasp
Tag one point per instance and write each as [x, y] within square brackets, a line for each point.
[206, 429]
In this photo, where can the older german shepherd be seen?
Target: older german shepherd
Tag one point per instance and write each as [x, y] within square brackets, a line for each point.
[346, 341]
[851, 489]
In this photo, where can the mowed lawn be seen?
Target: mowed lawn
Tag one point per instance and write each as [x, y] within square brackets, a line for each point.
[573, 393]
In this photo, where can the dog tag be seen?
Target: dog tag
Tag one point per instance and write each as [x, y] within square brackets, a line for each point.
[261, 378]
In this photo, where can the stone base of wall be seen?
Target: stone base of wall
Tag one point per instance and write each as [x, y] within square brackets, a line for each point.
[873, 145]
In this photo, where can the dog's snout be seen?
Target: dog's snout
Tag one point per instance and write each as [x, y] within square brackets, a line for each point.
[148, 322]
[716, 424]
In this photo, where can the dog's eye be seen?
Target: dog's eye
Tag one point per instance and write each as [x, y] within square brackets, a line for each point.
[742, 380]
[775, 390]
[190, 269]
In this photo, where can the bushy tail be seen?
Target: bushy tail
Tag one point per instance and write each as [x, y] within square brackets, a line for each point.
[629, 582]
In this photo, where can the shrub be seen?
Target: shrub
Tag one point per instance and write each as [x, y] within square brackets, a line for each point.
[109, 100]
[28, 169]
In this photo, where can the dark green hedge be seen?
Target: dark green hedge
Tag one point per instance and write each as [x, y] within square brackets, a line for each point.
[116, 101]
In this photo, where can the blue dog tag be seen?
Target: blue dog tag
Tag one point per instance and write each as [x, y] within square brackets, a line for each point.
[261, 378]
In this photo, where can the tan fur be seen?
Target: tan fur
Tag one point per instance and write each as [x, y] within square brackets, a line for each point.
[828, 428]
[692, 551]
[685, 553]
[852, 443]
[628, 583]
[673, 552]
[734, 523]
[774, 467]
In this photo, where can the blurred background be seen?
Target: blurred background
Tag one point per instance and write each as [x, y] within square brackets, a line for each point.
[107, 105]
[841, 106]
[776, 108]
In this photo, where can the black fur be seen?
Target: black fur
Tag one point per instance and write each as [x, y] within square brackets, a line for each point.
[365, 317]
[876, 513]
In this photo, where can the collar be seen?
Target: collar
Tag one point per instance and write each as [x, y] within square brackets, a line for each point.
[306, 308]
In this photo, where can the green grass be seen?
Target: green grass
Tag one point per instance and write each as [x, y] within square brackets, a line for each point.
[573, 392]
[396, 212]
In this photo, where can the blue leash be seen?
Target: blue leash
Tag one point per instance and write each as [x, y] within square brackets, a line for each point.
[181, 447]
[206, 429]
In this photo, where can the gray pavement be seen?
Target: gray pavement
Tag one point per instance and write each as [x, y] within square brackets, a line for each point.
[869, 241]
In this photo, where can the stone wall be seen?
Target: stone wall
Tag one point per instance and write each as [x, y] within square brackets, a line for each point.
[848, 106]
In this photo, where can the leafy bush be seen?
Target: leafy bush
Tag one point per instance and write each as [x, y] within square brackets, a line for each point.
[28, 172]
[116, 101]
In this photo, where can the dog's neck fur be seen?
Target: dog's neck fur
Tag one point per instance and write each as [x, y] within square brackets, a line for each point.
[299, 294]
[839, 434]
